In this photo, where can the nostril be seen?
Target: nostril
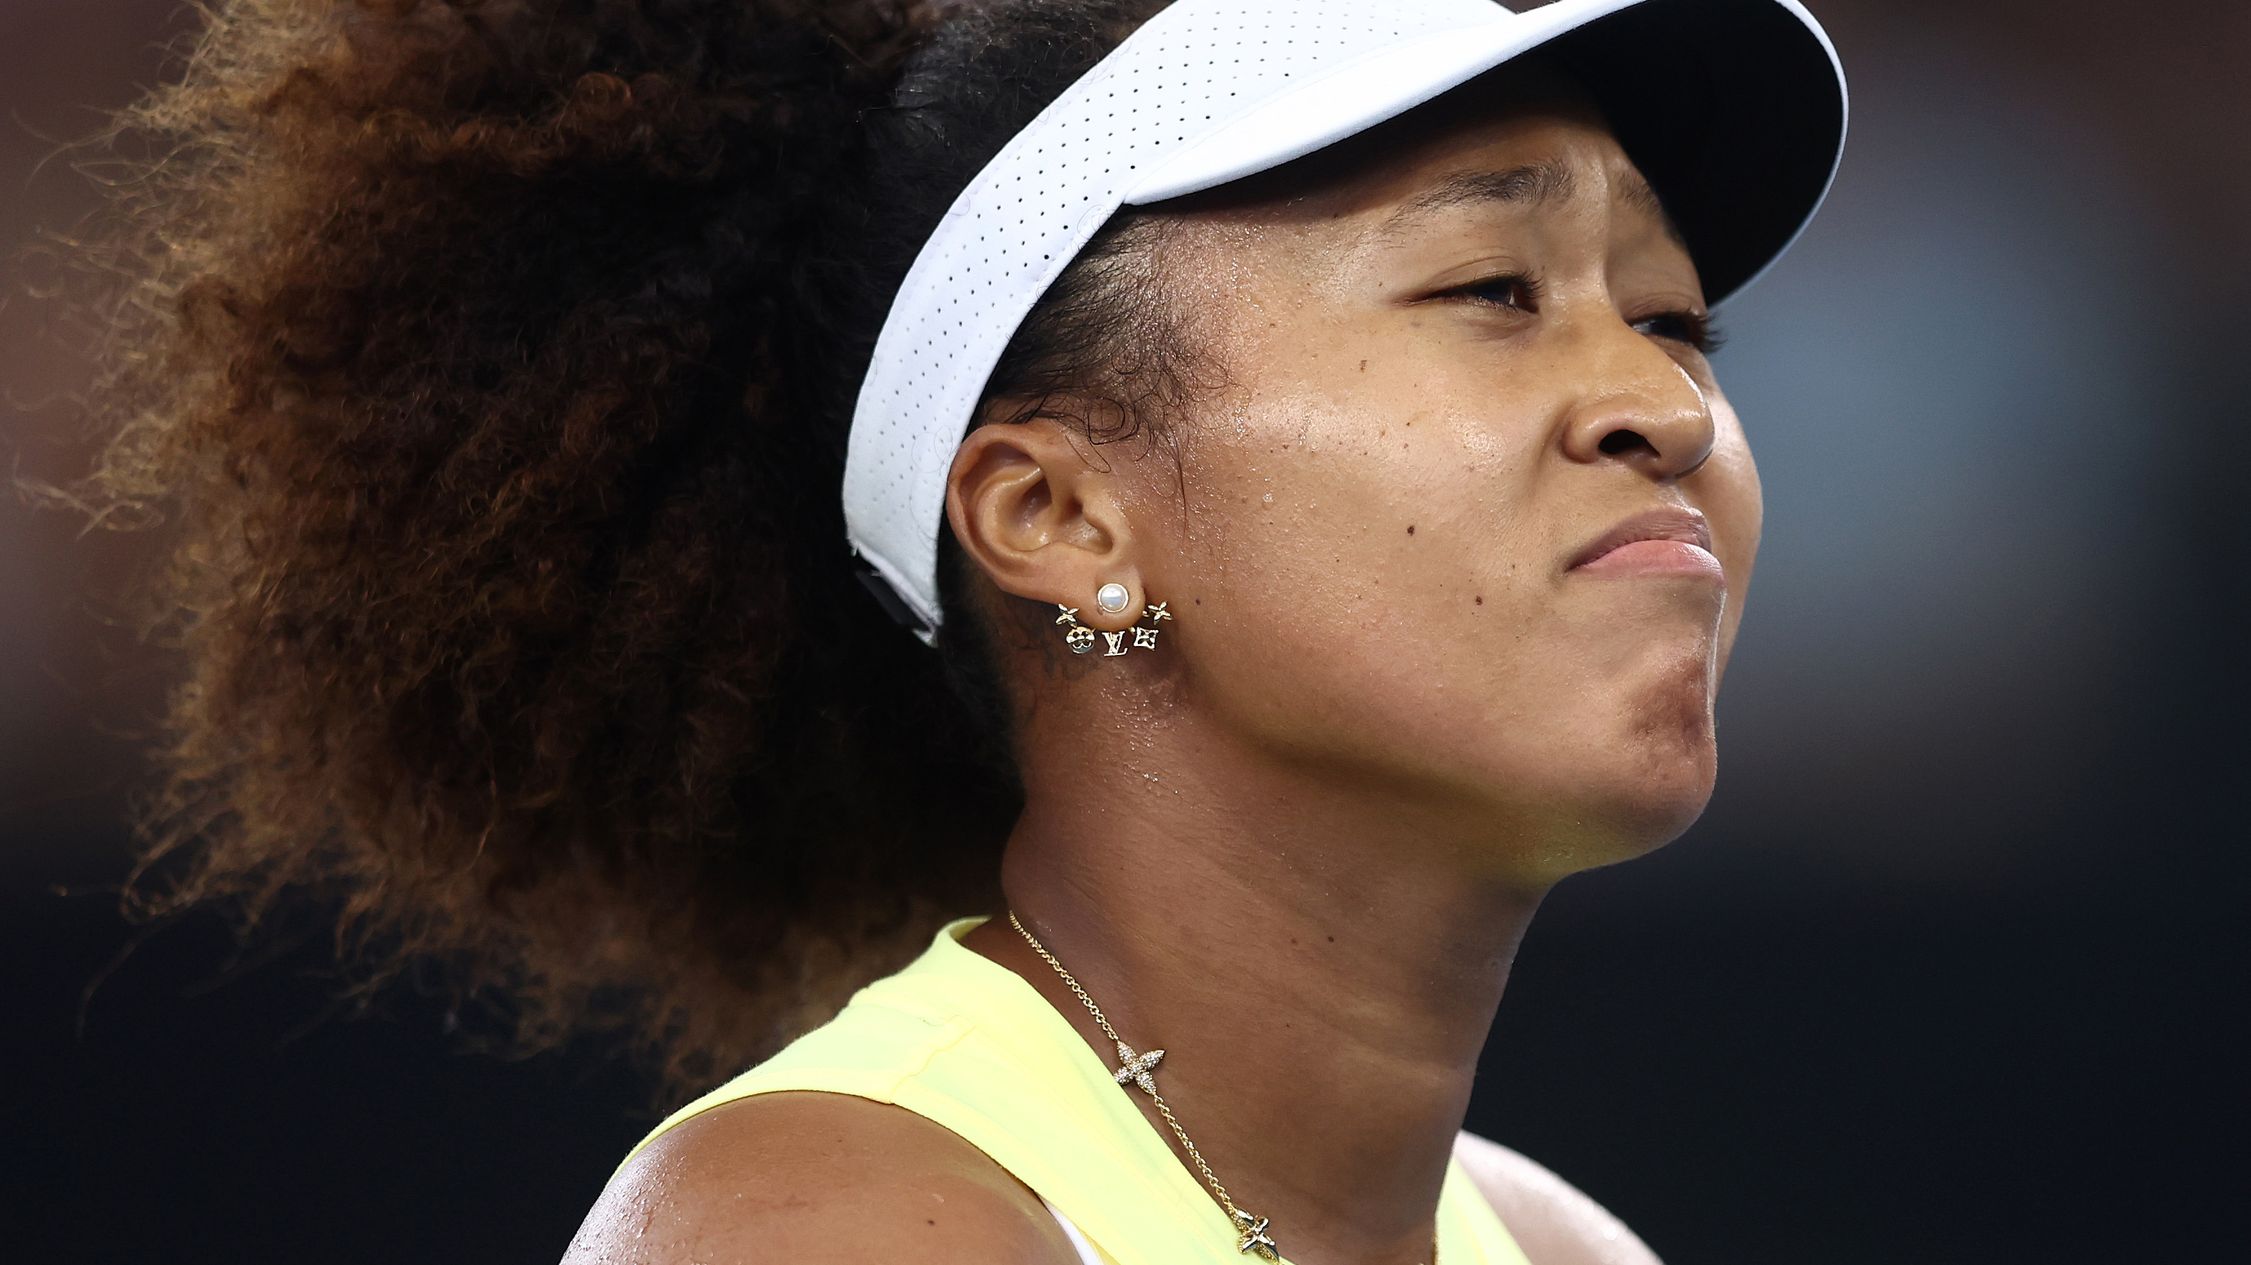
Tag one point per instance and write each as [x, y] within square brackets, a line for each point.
[1620, 440]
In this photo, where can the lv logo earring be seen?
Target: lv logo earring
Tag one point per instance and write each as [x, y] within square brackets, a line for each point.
[1111, 598]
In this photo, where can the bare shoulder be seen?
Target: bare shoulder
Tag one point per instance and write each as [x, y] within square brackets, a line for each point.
[815, 1178]
[1551, 1219]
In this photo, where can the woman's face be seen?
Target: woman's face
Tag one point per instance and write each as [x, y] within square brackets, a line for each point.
[1457, 359]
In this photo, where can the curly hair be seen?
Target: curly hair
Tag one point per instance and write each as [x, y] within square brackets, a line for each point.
[494, 359]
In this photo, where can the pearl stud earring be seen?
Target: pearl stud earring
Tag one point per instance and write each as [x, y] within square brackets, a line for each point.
[1081, 639]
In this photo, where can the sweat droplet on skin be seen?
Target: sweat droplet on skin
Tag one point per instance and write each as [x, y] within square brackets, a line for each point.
[1268, 498]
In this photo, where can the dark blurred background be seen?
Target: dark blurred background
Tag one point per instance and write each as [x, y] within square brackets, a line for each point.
[1946, 973]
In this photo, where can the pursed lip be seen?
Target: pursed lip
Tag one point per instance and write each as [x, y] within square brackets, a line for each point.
[1667, 523]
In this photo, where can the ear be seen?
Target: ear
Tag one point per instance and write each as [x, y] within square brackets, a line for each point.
[1042, 521]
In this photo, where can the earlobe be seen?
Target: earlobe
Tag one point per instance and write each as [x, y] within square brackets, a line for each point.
[1040, 521]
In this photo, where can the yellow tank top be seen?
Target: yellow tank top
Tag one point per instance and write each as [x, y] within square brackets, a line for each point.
[964, 1041]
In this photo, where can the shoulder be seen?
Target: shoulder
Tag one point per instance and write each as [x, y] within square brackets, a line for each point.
[812, 1178]
[1552, 1220]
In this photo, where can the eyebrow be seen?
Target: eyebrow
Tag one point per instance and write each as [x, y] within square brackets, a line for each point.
[1533, 184]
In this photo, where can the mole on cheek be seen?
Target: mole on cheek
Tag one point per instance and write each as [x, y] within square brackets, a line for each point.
[1410, 529]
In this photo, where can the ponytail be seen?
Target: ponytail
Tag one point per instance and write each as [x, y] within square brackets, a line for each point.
[494, 357]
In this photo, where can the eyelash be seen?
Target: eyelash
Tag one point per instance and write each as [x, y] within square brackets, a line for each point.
[1696, 329]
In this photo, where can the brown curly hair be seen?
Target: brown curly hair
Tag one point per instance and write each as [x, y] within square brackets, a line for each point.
[494, 359]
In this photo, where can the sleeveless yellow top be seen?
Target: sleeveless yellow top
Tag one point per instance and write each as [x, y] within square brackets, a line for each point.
[964, 1041]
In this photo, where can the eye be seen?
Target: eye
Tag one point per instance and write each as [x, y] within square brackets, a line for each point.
[1521, 292]
[1693, 328]
[1512, 290]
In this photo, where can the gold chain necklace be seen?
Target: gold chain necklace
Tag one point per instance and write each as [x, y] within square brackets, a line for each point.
[1140, 1067]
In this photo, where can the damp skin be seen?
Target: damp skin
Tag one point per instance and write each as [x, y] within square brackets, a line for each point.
[1367, 528]
[1389, 715]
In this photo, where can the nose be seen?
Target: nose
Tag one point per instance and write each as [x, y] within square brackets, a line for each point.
[1637, 404]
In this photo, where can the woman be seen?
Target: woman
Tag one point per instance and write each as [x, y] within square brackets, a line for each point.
[1291, 425]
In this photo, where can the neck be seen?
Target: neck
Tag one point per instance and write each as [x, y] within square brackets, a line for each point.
[1320, 960]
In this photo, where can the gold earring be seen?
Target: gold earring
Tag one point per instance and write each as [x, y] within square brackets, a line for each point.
[1081, 638]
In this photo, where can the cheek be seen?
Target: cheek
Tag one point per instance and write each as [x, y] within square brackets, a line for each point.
[1324, 620]
[1344, 509]
[1727, 489]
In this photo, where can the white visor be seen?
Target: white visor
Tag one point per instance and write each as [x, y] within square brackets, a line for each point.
[1734, 110]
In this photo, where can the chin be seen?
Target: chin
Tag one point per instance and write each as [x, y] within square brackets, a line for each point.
[1634, 809]
[1654, 816]
[1665, 765]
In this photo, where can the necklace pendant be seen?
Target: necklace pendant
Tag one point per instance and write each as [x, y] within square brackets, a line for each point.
[1138, 1067]
[1254, 1237]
